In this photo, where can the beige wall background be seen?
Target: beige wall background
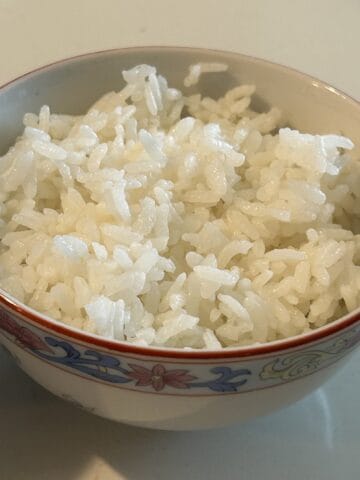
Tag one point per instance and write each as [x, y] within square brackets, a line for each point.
[321, 37]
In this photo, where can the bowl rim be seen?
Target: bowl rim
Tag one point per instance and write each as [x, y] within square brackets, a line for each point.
[276, 346]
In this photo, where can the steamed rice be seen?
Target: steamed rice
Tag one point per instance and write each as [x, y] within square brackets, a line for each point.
[171, 220]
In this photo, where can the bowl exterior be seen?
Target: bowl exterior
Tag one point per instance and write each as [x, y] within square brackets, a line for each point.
[171, 393]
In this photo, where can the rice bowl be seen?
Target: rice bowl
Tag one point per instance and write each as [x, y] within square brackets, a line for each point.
[173, 220]
[163, 386]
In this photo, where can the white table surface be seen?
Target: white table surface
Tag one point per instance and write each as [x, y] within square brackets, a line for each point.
[43, 438]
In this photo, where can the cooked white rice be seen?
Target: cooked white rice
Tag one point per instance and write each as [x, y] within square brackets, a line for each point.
[171, 220]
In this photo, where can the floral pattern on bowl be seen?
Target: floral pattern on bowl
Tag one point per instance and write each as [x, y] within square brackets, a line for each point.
[186, 378]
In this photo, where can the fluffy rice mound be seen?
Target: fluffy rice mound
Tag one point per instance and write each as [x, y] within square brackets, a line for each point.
[180, 221]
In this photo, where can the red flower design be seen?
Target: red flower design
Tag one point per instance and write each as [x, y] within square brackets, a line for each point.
[28, 339]
[9, 325]
[158, 377]
[24, 336]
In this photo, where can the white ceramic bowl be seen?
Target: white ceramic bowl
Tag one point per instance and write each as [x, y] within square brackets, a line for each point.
[168, 388]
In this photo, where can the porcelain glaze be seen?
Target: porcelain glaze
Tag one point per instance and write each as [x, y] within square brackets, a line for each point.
[163, 388]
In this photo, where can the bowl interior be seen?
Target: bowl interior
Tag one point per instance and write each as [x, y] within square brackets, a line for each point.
[71, 86]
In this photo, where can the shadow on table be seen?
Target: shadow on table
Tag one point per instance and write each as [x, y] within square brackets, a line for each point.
[42, 438]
